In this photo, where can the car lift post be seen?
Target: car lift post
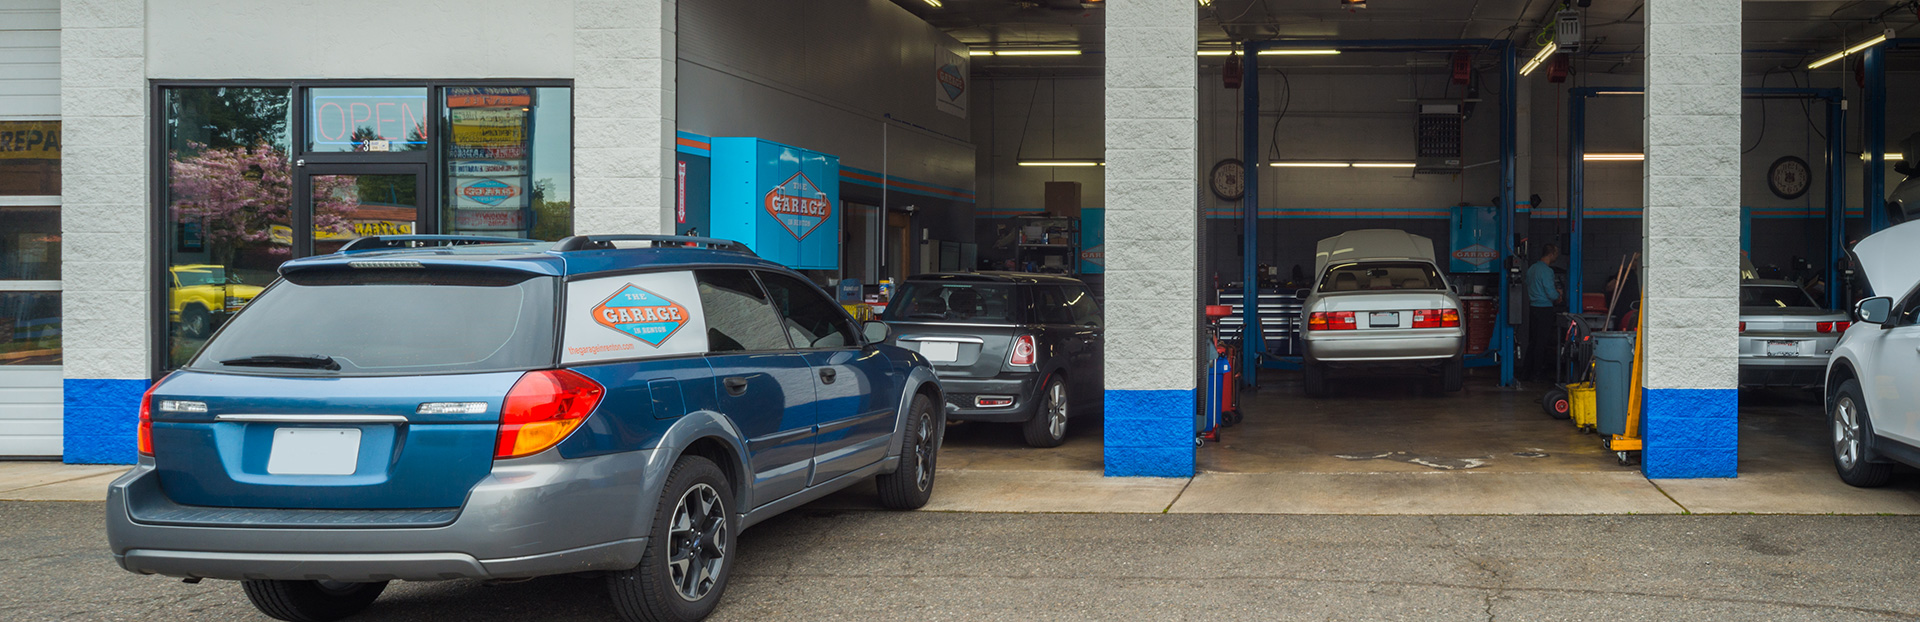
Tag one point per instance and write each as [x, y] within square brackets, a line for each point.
[1836, 171]
[1252, 358]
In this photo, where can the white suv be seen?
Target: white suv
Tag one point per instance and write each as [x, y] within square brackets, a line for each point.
[1870, 379]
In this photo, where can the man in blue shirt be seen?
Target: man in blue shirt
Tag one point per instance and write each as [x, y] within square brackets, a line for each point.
[1542, 305]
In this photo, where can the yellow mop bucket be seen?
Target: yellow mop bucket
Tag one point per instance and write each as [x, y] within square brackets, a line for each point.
[1580, 396]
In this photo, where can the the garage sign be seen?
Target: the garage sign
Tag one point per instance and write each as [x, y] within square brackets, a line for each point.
[799, 205]
[1477, 255]
[496, 192]
[633, 316]
[950, 83]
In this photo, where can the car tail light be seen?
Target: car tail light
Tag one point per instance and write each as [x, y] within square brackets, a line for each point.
[1436, 318]
[1022, 353]
[1833, 327]
[541, 409]
[1743, 327]
[1331, 320]
[145, 439]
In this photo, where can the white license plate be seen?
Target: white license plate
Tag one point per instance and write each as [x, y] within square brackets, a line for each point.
[940, 351]
[1383, 318]
[314, 451]
[1783, 348]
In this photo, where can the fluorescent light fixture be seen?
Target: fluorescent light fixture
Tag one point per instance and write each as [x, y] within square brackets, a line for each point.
[1618, 93]
[933, 3]
[1036, 52]
[1544, 54]
[1299, 52]
[1383, 165]
[1297, 164]
[1206, 2]
[1614, 157]
[1216, 52]
[1891, 157]
[1062, 163]
[979, 52]
[1843, 53]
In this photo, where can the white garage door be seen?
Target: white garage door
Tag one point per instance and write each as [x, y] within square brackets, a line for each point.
[29, 411]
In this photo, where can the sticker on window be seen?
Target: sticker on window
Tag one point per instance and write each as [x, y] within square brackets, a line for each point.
[633, 316]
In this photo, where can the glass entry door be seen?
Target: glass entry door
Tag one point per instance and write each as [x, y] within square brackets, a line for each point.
[344, 202]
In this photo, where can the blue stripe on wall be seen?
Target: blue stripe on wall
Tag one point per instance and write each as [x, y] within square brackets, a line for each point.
[101, 421]
[1149, 433]
[1691, 433]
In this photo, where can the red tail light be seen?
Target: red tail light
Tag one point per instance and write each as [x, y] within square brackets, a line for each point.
[1331, 320]
[145, 439]
[1436, 318]
[542, 409]
[1833, 327]
[1022, 353]
[1743, 327]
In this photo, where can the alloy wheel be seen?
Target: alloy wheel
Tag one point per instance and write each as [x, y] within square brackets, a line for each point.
[698, 541]
[1057, 410]
[1846, 432]
[923, 452]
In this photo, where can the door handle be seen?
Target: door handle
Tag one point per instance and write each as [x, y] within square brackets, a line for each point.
[735, 385]
[826, 375]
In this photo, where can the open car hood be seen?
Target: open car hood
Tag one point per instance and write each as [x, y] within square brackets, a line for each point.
[1891, 259]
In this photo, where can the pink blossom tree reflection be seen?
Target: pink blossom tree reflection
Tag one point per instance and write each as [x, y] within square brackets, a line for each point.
[239, 194]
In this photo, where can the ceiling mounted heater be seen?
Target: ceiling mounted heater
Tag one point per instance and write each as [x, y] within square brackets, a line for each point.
[1439, 140]
[1566, 32]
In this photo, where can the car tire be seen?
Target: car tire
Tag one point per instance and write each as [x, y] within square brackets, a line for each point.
[1314, 379]
[909, 487]
[196, 322]
[683, 571]
[311, 601]
[1852, 439]
[1048, 425]
[1452, 375]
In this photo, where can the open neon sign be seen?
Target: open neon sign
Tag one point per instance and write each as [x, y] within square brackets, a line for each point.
[353, 119]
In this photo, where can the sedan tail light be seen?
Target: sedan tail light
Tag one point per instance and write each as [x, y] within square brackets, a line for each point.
[145, 439]
[1833, 327]
[1331, 320]
[1436, 318]
[542, 409]
[1022, 352]
[1743, 327]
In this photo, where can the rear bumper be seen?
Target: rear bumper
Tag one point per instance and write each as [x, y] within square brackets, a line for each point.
[1357, 349]
[1800, 371]
[960, 393]
[531, 517]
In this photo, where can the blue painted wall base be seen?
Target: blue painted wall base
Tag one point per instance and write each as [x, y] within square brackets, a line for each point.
[1149, 433]
[101, 421]
[1690, 433]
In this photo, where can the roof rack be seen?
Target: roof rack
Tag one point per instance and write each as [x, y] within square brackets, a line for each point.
[605, 242]
[381, 242]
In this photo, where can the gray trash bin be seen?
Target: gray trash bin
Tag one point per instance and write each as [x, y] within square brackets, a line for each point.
[1612, 380]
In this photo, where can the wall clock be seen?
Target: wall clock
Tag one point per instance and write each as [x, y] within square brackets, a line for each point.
[1228, 179]
[1789, 177]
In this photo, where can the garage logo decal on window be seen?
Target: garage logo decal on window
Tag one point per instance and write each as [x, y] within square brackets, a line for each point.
[641, 314]
[799, 205]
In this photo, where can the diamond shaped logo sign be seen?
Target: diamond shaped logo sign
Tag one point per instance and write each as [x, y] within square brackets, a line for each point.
[641, 314]
[951, 81]
[799, 205]
[1477, 255]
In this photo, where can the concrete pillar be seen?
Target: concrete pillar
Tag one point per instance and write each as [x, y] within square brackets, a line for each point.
[105, 306]
[623, 107]
[1692, 232]
[1153, 216]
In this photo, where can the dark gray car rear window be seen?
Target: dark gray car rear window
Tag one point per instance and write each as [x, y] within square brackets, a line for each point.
[1775, 297]
[393, 322]
[953, 302]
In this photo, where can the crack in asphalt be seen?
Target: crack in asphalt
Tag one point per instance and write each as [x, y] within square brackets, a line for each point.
[1458, 548]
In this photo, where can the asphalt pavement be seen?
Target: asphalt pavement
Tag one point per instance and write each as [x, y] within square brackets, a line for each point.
[870, 565]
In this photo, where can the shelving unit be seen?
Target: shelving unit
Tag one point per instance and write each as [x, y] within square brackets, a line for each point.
[1057, 237]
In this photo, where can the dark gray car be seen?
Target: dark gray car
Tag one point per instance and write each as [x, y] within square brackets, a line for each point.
[1008, 347]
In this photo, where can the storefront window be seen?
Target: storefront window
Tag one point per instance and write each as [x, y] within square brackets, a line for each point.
[29, 242]
[509, 158]
[228, 205]
[366, 119]
[29, 328]
[29, 158]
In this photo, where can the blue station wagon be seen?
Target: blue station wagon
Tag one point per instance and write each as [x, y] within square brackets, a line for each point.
[437, 407]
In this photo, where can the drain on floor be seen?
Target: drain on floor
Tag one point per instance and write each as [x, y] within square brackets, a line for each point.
[1530, 454]
[1431, 462]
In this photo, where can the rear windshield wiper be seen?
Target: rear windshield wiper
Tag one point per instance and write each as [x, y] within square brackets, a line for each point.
[310, 361]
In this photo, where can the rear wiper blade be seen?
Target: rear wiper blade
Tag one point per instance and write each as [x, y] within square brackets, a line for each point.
[311, 361]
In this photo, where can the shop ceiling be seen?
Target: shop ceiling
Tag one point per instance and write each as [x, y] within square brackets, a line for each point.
[1778, 34]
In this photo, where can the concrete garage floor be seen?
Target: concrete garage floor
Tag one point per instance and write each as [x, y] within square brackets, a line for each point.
[1383, 446]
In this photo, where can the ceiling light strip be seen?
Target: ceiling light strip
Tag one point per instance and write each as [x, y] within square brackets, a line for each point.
[1541, 57]
[1614, 157]
[1062, 163]
[1843, 53]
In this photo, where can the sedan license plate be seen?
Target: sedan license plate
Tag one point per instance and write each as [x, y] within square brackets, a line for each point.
[940, 351]
[314, 451]
[1783, 348]
[1379, 319]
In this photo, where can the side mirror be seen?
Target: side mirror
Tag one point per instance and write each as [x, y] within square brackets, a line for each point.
[876, 332]
[1874, 310]
[1302, 293]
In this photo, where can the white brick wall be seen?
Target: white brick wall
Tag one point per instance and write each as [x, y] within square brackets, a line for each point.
[1692, 193]
[1152, 142]
[623, 104]
[103, 111]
